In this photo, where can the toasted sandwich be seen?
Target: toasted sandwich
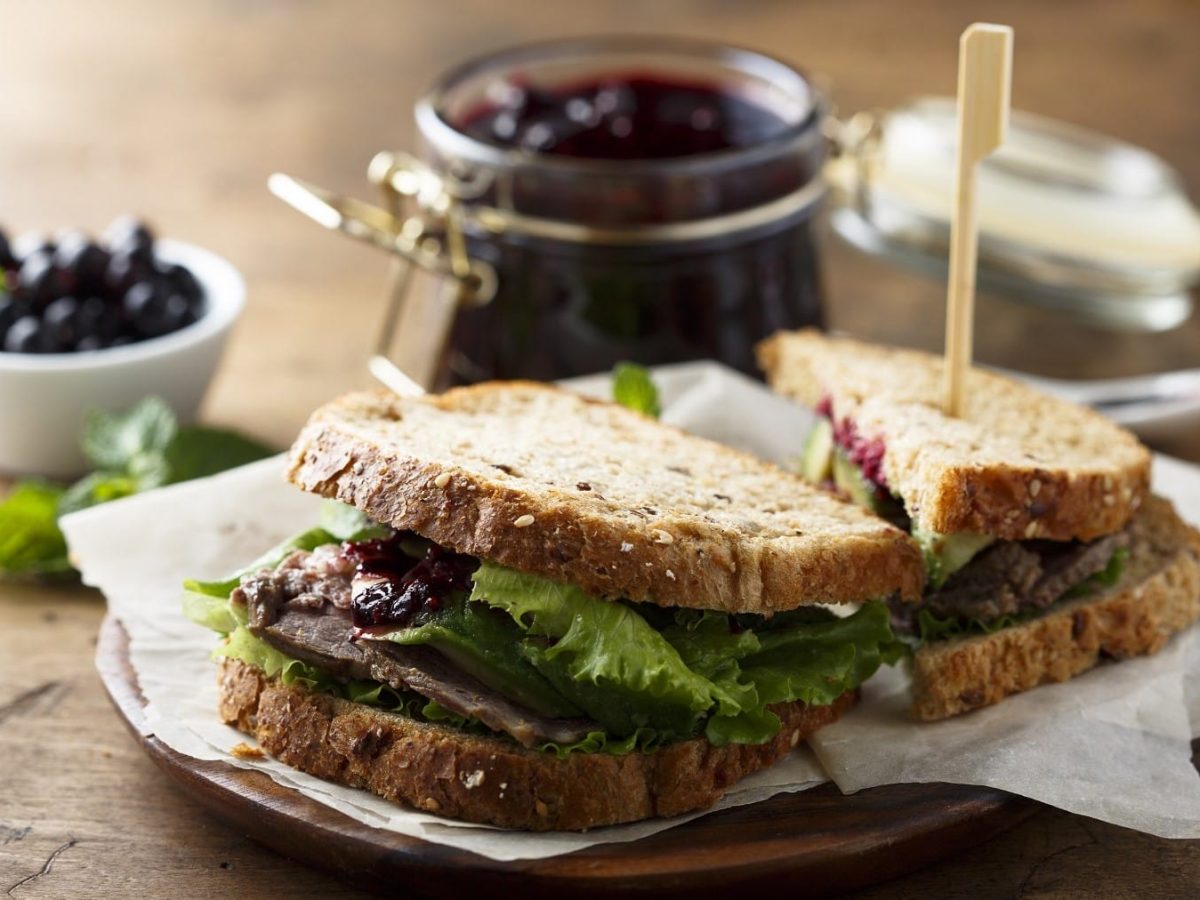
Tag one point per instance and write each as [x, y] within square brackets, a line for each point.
[1044, 551]
[537, 611]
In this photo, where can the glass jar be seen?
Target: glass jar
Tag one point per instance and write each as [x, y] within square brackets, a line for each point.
[613, 240]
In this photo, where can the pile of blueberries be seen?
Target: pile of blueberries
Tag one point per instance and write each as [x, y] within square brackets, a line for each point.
[75, 294]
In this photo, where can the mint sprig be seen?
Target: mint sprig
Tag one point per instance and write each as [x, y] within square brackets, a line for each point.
[137, 450]
[634, 388]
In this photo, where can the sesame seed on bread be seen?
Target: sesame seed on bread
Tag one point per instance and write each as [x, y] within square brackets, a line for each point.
[1158, 595]
[491, 780]
[544, 481]
[1020, 464]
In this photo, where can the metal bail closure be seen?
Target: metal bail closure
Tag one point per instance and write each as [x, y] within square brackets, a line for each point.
[1070, 220]
[422, 226]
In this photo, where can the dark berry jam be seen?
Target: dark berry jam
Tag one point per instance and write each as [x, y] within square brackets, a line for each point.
[865, 452]
[409, 586]
[657, 211]
[631, 116]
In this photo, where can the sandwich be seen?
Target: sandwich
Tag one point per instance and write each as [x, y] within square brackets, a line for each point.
[532, 610]
[1044, 551]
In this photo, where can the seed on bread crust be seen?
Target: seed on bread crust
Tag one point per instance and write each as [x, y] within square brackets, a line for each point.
[523, 521]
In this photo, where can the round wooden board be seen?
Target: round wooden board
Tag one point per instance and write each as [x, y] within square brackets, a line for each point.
[815, 842]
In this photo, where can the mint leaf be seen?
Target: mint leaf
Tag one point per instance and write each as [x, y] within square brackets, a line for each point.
[98, 487]
[120, 441]
[133, 451]
[196, 452]
[633, 388]
[30, 542]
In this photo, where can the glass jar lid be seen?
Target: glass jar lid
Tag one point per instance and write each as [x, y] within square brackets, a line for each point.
[1068, 219]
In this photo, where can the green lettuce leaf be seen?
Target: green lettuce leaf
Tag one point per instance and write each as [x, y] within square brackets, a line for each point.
[646, 681]
[1106, 577]
[487, 644]
[306, 540]
[213, 612]
[601, 655]
[346, 523]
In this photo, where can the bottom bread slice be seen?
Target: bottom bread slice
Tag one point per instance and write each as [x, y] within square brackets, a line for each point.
[488, 779]
[1158, 596]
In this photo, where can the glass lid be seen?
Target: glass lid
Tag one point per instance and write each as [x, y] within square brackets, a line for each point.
[1069, 219]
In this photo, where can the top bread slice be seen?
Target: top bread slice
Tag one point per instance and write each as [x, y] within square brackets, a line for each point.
[1020, 464]
[544, 481]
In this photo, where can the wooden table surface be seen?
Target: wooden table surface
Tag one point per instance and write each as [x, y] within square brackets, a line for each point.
[179, 112]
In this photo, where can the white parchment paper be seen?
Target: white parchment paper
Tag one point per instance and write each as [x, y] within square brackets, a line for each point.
[1112, 744]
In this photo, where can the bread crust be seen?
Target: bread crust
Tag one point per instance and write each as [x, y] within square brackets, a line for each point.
[362, 450]
[1158, 597]
[489, 780]
[1020, 464]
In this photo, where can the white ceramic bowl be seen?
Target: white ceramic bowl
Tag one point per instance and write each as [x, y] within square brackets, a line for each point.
[44, 399]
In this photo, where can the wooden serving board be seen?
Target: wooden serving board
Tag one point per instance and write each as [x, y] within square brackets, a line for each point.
[815, 842]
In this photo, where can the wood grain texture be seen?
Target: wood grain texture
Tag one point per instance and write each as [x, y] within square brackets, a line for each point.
[180, 111]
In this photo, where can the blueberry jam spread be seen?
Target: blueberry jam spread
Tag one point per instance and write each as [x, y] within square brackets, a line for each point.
[399, 586]
[626, 116]
[75, 294]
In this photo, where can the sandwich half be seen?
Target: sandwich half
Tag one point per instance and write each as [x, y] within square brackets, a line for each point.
[1044, 551]
[537, 611]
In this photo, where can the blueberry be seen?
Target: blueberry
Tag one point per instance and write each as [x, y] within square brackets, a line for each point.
[7, 259]
[122, 340]
[60, 321]
[178, 313]
[40, 281]
[145, 308]
[89, 343]
[124, 270]
[82, 260]
[184, 282]
[98, 318]
[32, 242]
[24, 336]
[129, 233]
[12, 307]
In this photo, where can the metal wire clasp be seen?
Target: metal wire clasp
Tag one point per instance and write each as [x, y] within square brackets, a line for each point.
[422, 225]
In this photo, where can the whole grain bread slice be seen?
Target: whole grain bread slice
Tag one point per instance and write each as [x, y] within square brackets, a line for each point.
[488, 779]
[1020, 464]
[593, 494]
[1157, 596]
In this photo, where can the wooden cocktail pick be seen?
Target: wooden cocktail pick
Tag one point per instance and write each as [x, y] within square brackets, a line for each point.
[984, 88]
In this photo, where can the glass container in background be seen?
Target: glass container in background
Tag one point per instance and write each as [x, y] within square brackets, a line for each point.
[639, 199]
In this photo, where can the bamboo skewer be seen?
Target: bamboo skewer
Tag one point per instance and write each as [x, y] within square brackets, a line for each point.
[984, 89]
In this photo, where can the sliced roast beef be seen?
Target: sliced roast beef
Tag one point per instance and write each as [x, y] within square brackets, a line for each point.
[1066, 565]
[1010, 578]
[282, 613]
[993, 584]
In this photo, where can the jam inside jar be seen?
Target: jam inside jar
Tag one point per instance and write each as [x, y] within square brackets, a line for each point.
[640, 200]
